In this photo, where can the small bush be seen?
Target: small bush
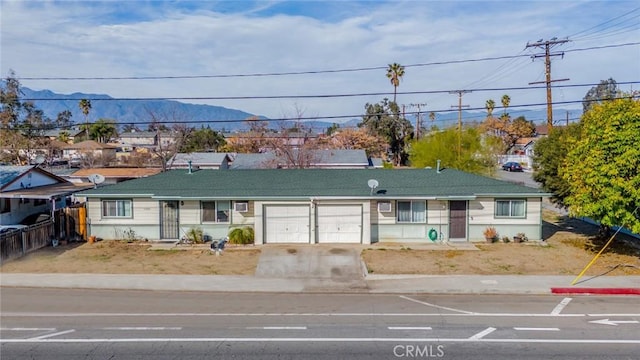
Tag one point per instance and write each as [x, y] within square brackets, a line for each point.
[195, 235]
[242, 236]
[490, 233]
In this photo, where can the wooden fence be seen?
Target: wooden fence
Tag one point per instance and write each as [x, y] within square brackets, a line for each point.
[18, 243]
[67, 224]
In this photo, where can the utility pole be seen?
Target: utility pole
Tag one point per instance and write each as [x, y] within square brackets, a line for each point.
[418, 119]
[460, 106]
[547, 45]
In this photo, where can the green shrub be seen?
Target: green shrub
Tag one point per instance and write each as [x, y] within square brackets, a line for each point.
[242, 236]
[195, 235]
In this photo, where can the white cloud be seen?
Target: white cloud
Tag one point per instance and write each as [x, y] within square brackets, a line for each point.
[116, 39]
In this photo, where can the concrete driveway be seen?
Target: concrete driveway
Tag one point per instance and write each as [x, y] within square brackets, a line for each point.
[331, 262]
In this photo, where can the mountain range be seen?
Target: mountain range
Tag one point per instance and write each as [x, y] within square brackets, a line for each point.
[138, 112]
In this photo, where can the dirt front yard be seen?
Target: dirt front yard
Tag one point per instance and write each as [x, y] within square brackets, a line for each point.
[570, 246]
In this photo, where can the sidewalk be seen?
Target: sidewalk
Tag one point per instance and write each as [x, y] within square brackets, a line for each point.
[378, 284]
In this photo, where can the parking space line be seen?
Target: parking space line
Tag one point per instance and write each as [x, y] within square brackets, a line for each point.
[52, 335]
[535, 329]
[436, 306]
[558, 309]
[409, 328]
[483, 333]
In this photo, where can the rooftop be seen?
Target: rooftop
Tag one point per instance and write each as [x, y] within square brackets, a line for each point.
[309, 183]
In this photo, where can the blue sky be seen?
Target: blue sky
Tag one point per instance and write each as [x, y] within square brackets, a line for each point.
[72, 39]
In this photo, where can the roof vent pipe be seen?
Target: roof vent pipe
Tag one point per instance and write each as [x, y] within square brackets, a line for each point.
[189, 166]
[438, 166]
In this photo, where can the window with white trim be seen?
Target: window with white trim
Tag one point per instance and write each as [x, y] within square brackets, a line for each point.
[215, 211]
[116, 208]
[412, 211]
[511, 208]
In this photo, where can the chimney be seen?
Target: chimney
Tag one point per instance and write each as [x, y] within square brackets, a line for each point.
[438, 166]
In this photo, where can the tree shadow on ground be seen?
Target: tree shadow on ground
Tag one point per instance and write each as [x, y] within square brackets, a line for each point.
[623, 244]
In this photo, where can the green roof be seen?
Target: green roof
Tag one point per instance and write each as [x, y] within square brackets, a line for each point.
[305, 183]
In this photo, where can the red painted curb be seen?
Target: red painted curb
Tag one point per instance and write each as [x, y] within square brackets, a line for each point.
[597, 291]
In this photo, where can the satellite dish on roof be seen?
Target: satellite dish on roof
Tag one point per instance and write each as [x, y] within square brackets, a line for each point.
[373, 184]
[40, 159]
[96, 179]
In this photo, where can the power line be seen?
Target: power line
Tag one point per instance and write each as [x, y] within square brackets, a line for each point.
[261, 97]
[311, 72]
[586, 31]
[316, 118]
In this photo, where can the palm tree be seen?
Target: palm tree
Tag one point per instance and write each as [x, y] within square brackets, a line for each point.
[490, 105]
[506, 100]
[85, 106]
[395, 72]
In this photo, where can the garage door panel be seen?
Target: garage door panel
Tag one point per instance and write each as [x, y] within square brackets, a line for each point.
[339, 223]
[287, 224]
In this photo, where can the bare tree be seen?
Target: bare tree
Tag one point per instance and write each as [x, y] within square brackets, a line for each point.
[168, 143]
[296, 146]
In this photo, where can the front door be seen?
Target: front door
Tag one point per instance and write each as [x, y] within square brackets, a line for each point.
[169, 220]
[458, 220]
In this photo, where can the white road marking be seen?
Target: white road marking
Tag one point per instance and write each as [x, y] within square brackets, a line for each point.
[27, 329]
[483, 333]
[52, 335]
[535, 329]
[436, 306]
[614, 322]
[281, 328]
[160, 315]
[141, 328]
[558, 309]
[409, 328]
[337, 340]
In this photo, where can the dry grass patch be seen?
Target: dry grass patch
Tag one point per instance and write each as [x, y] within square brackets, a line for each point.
[571, 244]
[116, 257]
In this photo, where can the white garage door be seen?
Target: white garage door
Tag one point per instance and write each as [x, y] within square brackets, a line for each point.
[287, 224]
[339, 224]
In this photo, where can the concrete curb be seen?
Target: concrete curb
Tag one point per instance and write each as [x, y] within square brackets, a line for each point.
[595, 291]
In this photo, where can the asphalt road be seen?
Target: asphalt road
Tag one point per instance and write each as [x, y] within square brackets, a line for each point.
[522, 178]
[101, 324]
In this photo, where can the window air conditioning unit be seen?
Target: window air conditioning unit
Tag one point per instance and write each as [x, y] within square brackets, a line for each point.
[241, 206]
[384, 206]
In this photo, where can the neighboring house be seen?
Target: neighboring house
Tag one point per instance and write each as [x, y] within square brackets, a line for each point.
[376, 163]
[89, 148]
[112, 175]
[266, 160]
[202, 160]
[27, 190]
[139, 138]
[147, 139]
[70, 134]
[542, 130]
[325, 159]
[521, 152]
[524, 146]
[292, 140]
[316, 205]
